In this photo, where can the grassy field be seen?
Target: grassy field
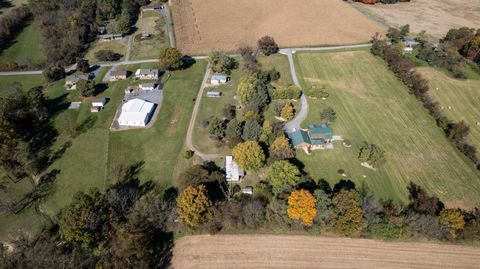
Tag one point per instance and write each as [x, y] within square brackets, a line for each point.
[25, 48]
[94, 151]
[161, 147]
[7, 83]
[118, 46]
[154, 24]
[213, 106]
[373, 105]
[459, 98]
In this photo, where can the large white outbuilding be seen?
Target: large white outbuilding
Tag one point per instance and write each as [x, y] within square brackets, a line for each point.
[136, 113]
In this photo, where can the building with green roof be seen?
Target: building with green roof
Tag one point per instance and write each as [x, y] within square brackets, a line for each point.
[315, 137]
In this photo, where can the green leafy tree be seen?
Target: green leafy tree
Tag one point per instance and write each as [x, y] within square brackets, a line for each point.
[324, 206]
[267, 131]
[84, 222]
[372, 154]
[170, 58]
[328, 115]
[216, 128]
[282, 173]
[54, 73]
[347, 213]
[86, 87]
[251, 131]
[249, 155]
[247, 88]
[221, 63]
[193, 206]
[234, 130]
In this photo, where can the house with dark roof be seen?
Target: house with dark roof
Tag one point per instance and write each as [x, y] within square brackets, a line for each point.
[313, 138]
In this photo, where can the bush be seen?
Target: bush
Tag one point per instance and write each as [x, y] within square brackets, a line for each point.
[107, 56]
[188, 154]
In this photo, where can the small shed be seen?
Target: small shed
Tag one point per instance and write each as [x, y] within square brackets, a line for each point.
[99, 102]
[214, 94]
[248, 190]
[408, 50]
[219, 79]
[147, 86]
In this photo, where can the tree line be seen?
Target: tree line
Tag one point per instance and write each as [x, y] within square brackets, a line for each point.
[67, 27]
[403, 67]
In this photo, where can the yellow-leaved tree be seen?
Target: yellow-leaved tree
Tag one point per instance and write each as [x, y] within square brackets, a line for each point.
[302, 206]
[192, 206]
[249, 155]
[454, 219]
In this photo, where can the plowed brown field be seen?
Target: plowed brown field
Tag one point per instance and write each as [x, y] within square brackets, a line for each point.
[271, 251]
[201, 25]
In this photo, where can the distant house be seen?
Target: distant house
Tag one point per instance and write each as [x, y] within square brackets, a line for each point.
[98, 104]
[233, 172]
[410, 42]
[152, 7]
[146, 74]
[71, 81]
[214, 94]
[313, 138]
[117, 75]
[248, 190]
[147, 86]
[136, 113]
[219, 79]
[110, 37]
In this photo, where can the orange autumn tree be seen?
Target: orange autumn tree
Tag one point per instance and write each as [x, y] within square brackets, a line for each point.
[192, 206]
[302, 206]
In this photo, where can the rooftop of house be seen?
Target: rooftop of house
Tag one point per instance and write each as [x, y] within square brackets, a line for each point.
[118, 73]
[76, 78]
[314, 135]
[219, 77]
[232, 170]
[143, 72]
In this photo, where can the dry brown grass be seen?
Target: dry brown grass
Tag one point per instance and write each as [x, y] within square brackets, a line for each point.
[272, 251]
[436, 17]
[201, 25]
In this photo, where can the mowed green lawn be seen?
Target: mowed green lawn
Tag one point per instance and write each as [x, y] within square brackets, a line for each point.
[94, 152]
[7, 83]
[25, 48]
[149, 48]
[213, 106]
[373, 105]
[460, 99]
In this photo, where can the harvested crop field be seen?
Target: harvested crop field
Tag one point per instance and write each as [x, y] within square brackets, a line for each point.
[436, 17]
[272, 251]
[201, 25]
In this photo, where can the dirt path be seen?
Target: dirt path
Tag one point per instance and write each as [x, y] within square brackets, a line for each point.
[191, 125]
[281, 251]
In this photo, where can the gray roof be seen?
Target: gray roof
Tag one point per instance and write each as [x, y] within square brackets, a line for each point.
[153, 96]
[142, 72]
[219, 77]
[76, 78]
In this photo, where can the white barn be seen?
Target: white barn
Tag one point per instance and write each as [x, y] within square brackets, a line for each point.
[233, 172]
[219, 79]
[136, 113]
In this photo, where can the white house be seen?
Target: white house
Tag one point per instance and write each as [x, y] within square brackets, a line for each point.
[100, 102]
[146, 74]
[233, 172]
[218, 79]
[136, 113]
[71, 81]
[147, 86]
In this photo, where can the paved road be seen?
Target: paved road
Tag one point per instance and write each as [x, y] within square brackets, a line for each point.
[303, 113]
[191, 125]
